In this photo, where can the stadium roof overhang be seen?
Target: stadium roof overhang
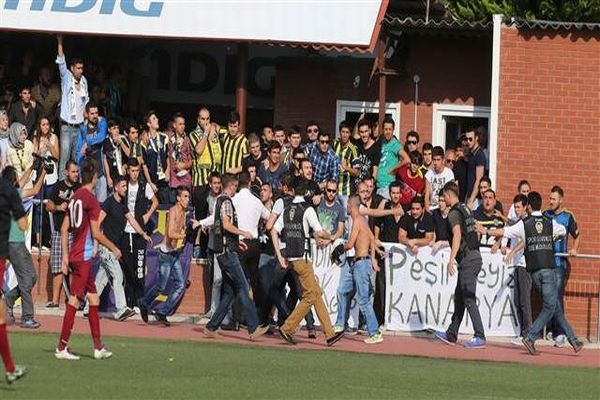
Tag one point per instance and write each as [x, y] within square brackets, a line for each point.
[351, 25]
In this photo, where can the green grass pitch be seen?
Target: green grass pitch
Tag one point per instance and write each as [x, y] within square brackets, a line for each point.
[159, 369]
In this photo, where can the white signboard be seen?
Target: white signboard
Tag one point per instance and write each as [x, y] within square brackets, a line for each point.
[420, 292]
[350, 22]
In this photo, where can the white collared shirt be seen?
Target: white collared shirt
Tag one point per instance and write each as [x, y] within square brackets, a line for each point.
[249, 210]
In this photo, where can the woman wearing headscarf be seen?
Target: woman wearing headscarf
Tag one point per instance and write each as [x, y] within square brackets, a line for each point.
[20, 151]
[3, 138]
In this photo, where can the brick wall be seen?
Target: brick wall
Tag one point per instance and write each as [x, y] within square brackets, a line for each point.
[549, 133]
[453, 70]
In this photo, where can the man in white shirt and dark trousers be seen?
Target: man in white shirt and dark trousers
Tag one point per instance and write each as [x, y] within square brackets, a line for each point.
[522, 280]
[294, 226]
[142, 202]
[539, 233]
[250, 211]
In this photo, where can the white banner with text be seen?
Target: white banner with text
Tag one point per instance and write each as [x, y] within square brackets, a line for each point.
[420, 291]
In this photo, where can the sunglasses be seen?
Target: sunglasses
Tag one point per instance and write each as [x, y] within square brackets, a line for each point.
[449, 161]
[469, 139]
[413, 142]
[324, 141]
[312, 130]
[331, 190]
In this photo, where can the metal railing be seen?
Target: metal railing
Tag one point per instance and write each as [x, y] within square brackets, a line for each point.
[593, 257]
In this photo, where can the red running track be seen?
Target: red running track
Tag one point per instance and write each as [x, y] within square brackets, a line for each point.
[392, 345]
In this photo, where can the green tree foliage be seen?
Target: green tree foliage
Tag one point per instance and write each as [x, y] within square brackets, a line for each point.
[551, 10]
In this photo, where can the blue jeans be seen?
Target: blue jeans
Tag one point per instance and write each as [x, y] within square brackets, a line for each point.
[68, 141]
[357, 277]
[168, 265]
[561, 280]
[41, 214]
[234, 283]
[545, 282]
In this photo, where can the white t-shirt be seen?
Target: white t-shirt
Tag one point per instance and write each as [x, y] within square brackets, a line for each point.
[131, 196]
[436, 183]
[249, 210]
[309, 220]
[278, 207]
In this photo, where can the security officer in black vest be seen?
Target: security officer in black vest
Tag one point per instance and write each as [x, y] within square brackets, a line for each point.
[224, 242]
[464, 243]
[539, 233]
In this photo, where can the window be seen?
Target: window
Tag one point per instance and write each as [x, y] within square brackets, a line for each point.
[351, 111]
[450, 121]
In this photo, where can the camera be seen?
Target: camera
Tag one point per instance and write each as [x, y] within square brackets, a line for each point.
[43, 162]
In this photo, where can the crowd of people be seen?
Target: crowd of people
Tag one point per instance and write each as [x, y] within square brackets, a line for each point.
[258, 200]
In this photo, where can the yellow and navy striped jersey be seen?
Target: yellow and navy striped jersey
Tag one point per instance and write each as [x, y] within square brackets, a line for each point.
[208, 161]
[234, 150]
[350, 154]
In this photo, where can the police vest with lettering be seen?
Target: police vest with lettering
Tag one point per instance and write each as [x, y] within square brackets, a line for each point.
[469, 240]
[539, 243]
[220, 240]
[293, 230]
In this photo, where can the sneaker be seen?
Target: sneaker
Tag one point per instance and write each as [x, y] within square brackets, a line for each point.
[210, 334]
[577, 345]
[337, 329]
[440, 335]
[560, 341]
[163, 319]
[286, 336]
[35, 249]
[475, 343]
[335, 338]
[137, 309]
[312, 334]
[376, 338]
[102, 354]
[51, 305]
[549, 336]
[30, 324]
[19, 372]
[351, 331]
[45, 249]
[124, 314]
[143, 311]
[65, 354]
[231, 327]
[517, 341]
[260, 330]
[529, 345]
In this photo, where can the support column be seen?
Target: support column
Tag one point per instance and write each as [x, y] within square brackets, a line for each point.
[382, 82]
[241, 90]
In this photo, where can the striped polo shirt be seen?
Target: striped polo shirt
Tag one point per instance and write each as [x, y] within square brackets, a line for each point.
[233, 151]
[350, 154]
[208, 161]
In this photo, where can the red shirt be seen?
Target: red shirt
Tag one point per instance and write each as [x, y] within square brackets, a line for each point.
[411, 187]
[83, 208]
